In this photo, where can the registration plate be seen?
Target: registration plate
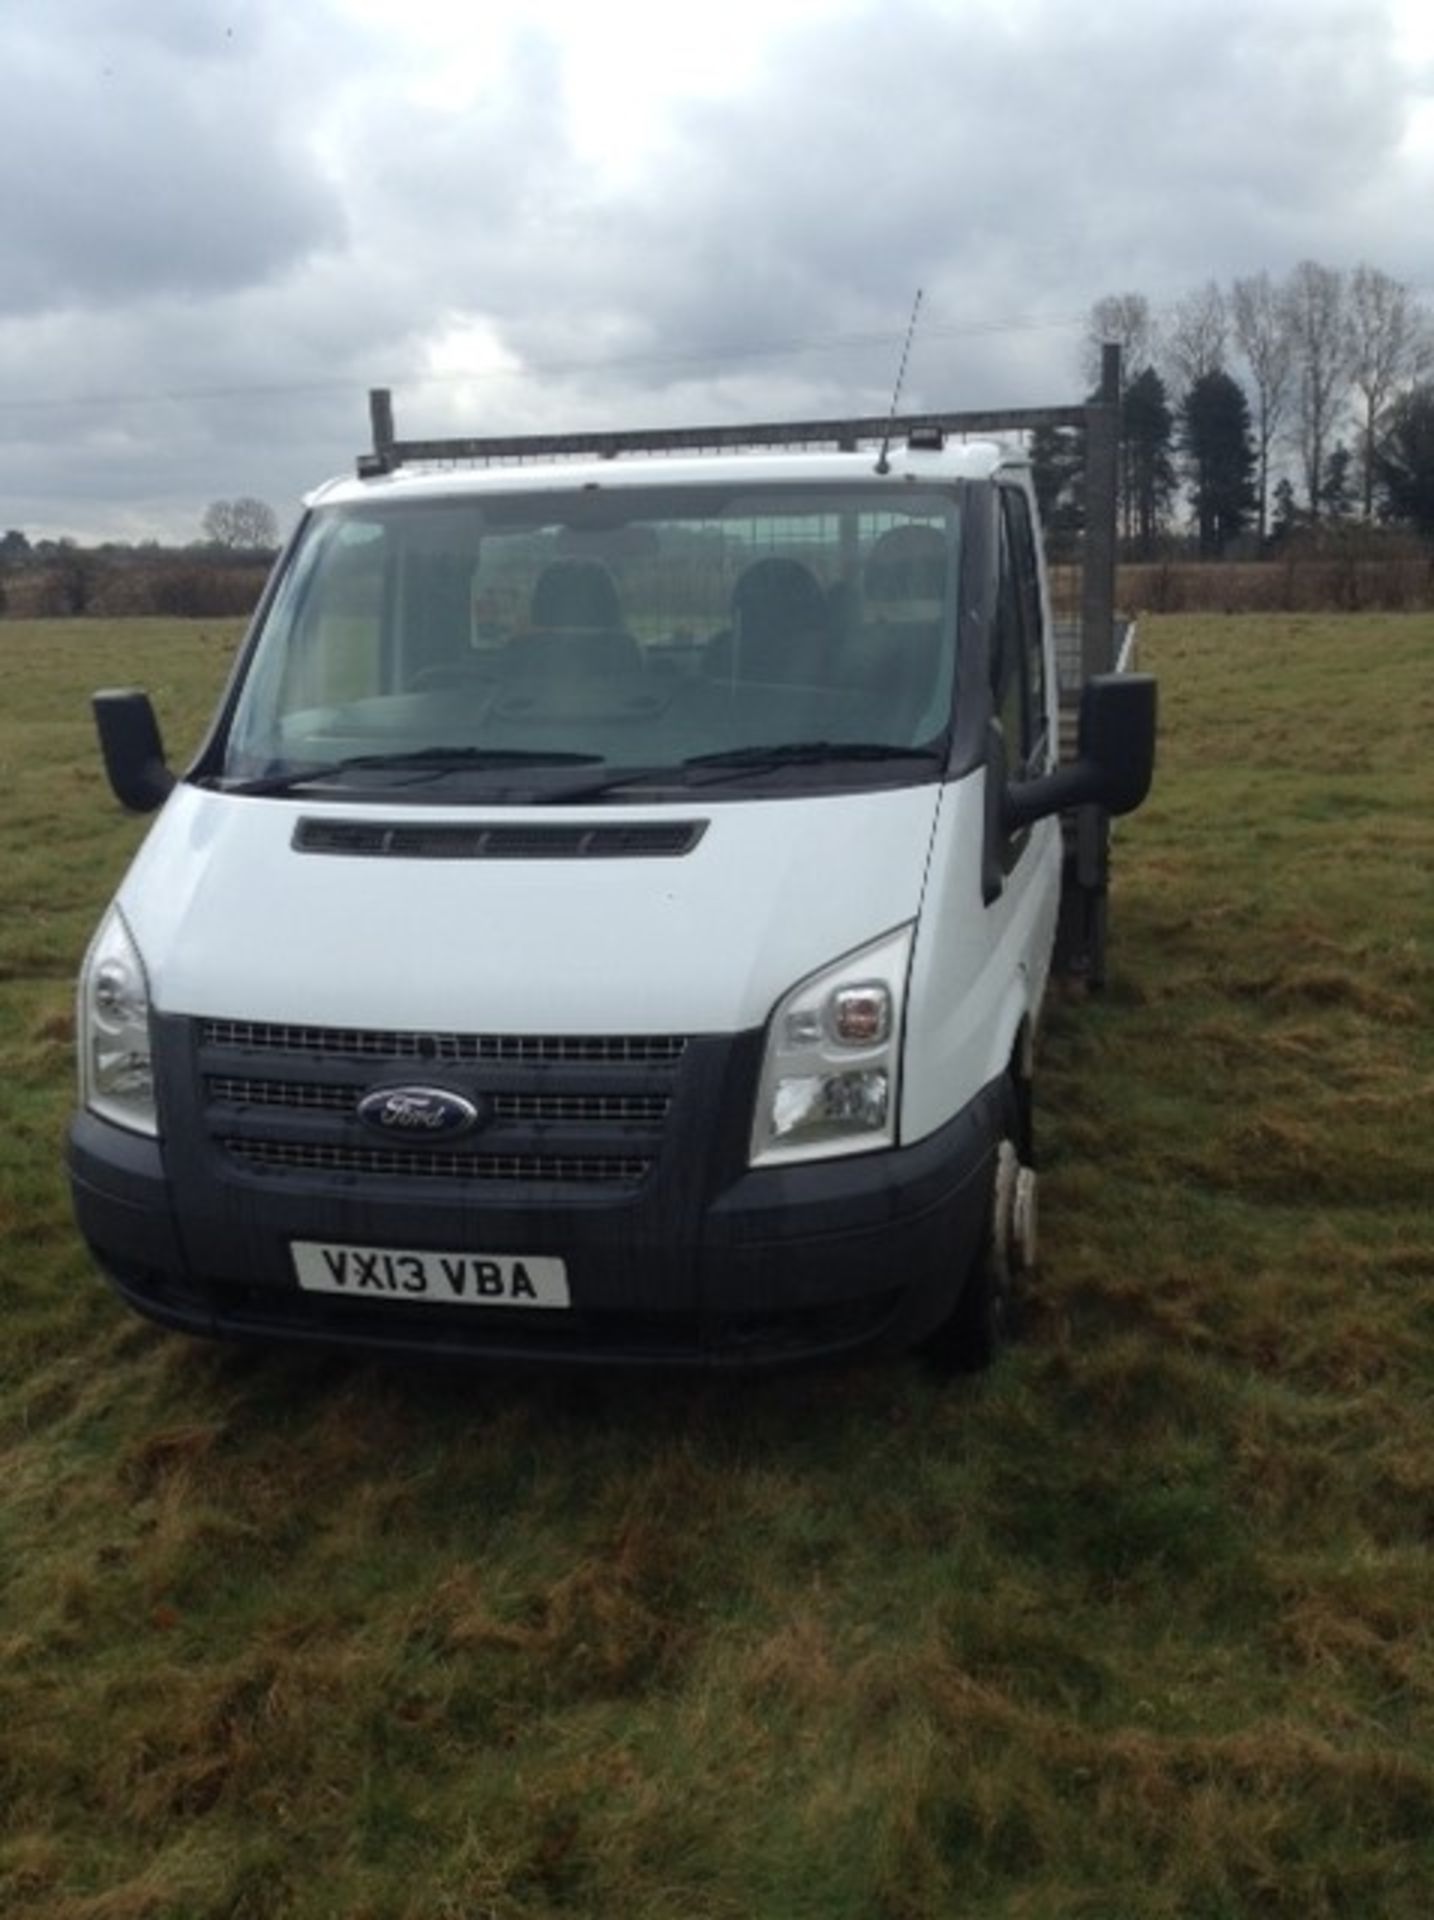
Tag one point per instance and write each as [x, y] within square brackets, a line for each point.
[439, 1279]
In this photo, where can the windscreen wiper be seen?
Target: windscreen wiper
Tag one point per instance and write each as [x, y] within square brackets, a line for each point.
[706, 769]
[799, 753]
[620, 777]
[425, 763]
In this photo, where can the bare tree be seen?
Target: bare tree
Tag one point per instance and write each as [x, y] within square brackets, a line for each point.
[246, 525]
[1388, 346]
[1263, 336]
[1316, 303]
[1198, 337]
[1126, 319]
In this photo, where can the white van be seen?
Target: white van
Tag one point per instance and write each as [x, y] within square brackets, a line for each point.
[608, 920]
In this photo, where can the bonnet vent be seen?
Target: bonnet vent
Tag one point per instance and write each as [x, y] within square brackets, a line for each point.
[380, 840]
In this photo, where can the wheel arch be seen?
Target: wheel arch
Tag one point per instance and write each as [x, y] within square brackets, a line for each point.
[1013, 1035]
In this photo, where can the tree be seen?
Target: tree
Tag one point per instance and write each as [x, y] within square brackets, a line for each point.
[1148, 431]
[1198, 337]
[1220, 458]
[1337, 487]
[1287, 513]
[244, 525]
[1319, 343]
[1388, 345]
[14, 549]
[1404, 459]
[1262, 334]
[1057, 467]
[74, 573]
[1124, 318]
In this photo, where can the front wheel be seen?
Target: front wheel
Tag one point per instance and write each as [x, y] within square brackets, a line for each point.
[986, 1316]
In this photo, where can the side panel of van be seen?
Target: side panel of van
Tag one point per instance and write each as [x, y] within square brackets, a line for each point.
[978, 971]
[980, 964]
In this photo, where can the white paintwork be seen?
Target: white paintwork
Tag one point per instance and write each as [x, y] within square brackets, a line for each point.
[961, 460]
[233, 924]
[977, 972]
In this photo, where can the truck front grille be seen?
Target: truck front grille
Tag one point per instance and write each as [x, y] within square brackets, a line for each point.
[428, 1163]
[351, 1043]
[571, 1111]
[644, 1109]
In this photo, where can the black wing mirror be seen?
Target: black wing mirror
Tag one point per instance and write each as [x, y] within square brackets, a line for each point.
[1115, 755]
[133, 751]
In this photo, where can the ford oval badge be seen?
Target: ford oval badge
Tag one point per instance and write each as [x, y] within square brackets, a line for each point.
[417, 1113]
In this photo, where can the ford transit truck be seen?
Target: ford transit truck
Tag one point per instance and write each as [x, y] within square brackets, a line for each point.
[609, 918]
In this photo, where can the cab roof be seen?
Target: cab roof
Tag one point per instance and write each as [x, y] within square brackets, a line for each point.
[906, 466]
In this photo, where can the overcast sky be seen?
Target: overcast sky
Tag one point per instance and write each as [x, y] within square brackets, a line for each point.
[224, 220]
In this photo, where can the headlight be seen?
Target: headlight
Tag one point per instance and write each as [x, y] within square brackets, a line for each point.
[829, 1076]
[112, 1029]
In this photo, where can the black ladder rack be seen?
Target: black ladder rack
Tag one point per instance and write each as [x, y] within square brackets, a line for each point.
[390, 453]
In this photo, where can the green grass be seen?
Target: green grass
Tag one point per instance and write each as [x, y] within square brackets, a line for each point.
[1141, 1625]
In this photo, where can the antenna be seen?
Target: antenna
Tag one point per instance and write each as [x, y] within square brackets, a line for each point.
[883, 465]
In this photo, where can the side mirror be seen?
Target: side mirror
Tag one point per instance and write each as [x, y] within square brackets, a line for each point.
[1115, 755]
[132, 749]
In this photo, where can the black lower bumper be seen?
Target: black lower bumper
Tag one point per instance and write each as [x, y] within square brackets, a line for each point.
[787, 1264]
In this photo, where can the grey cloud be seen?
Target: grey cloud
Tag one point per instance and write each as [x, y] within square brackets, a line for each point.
[146, 161]
[886, 149]
[1016, 164]
[1009, 172]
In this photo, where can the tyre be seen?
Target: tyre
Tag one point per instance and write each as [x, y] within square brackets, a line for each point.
[987, 1311]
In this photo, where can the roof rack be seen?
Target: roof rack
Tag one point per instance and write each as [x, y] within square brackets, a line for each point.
[389, 453]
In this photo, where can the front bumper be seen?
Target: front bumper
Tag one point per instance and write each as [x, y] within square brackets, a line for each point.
[772, 1266]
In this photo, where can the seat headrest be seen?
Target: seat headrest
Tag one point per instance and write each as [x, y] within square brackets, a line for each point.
[778, 594]
[575, 593]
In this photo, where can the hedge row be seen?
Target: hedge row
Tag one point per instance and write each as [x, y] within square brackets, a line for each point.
[1307, 583]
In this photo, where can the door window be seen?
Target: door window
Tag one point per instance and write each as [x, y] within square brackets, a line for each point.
[1018, 665]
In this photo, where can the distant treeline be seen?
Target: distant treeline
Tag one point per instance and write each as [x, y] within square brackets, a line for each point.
[58, 579]
[1351, 569]
[1260, 410]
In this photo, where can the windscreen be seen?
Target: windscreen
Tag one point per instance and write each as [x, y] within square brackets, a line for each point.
[643, 631]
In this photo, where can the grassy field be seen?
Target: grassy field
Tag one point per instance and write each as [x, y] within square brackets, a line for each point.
[1140, 1625]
